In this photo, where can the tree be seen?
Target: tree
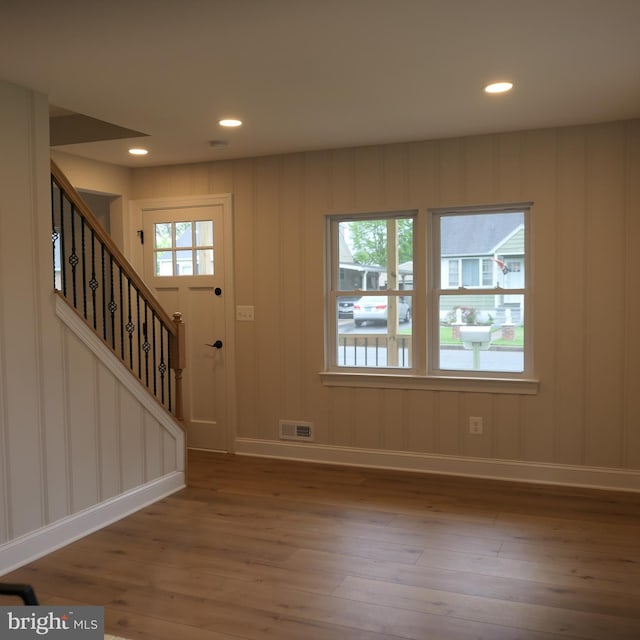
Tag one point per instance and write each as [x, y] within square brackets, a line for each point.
[368, 240]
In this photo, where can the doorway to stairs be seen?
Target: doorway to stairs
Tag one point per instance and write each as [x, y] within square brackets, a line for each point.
[187, 254]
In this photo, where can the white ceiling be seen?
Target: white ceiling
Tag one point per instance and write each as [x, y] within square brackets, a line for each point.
[314, 74]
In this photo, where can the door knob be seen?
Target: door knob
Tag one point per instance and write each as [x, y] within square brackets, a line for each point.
[216, 345]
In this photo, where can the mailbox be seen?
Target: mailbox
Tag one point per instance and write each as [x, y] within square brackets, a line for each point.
[475, 337]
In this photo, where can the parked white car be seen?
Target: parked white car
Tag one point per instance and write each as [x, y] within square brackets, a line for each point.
[375, 308]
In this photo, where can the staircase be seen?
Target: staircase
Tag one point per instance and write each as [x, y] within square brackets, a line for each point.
[97, 281]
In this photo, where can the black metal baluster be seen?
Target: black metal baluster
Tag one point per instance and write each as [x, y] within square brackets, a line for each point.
[84, 266]
[169, 394]
[153, 342]
[112, 305]
[104, 294]
[366, 355]
[377, 348]
[146, 347]
[139, 343]
[63, 270]
[73, 257]
[121, 312]
[162, 367]
[93, 283]
[54, 234]
[130, 327]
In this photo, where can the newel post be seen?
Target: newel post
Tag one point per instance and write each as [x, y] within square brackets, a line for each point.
[178, 359]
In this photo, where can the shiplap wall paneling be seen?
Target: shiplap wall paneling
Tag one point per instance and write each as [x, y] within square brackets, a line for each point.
[605, 216]
[369, 179]
[340, 418]
[395, 176]
[293, 288]
[22, 418]
[367, 423]
[570, 314]
[451, 174]
[168, 452]
[420, 428]
[540, 181]
[448, 424]
[316, 204]
[342, 180]
[109, 435]
[246, 354]
[631, 374]
[477, 405]
[509, 168]
[423, 174]
[506, 442]
[220, 177]
[81, 398]
[132, 440]
[55, 452]
[393, 419]
[268, 297]
[153, 454]
[481, 183]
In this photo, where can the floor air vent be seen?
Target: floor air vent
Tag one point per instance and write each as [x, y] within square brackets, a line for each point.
[296, 430]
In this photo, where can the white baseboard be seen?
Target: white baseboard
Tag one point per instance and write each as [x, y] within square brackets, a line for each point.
[609, 479]
[36, 544]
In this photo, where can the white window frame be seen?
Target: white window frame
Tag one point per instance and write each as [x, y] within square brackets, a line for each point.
[427, 289]
[333, 292]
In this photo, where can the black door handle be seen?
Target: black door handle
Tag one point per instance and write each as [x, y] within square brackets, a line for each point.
[216, 345]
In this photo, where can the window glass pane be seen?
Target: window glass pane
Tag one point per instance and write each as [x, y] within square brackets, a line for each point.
[204, 233]
[184, 263]
[204, 262]
[453, 279]
[163, 235]
[364, 258]
[494, 240]
[184, 232]
[367, 335]
[481, 333]
[470, 273]
[164, 263]
[487, 273]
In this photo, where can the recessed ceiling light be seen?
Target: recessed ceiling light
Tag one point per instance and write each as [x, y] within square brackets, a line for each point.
[138, 152]
[498, 87]
[229, 122]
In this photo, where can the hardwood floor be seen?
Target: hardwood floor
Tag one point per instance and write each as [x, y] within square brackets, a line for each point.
[275, 550]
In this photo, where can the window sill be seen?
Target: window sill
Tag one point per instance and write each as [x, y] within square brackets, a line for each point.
[517, 386]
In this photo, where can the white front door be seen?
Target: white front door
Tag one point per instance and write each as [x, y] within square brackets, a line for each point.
[184, 250]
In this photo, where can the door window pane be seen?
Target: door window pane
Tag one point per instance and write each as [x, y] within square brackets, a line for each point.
[164, 263]
[174, 248]
[204, 262]
[184, 263]
[204, 233]
[163, 235]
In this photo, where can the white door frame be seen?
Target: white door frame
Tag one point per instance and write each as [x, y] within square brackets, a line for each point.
[137, 209]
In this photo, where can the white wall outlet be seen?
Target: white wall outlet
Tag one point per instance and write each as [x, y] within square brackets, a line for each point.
[475, 425]
[244, 313]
